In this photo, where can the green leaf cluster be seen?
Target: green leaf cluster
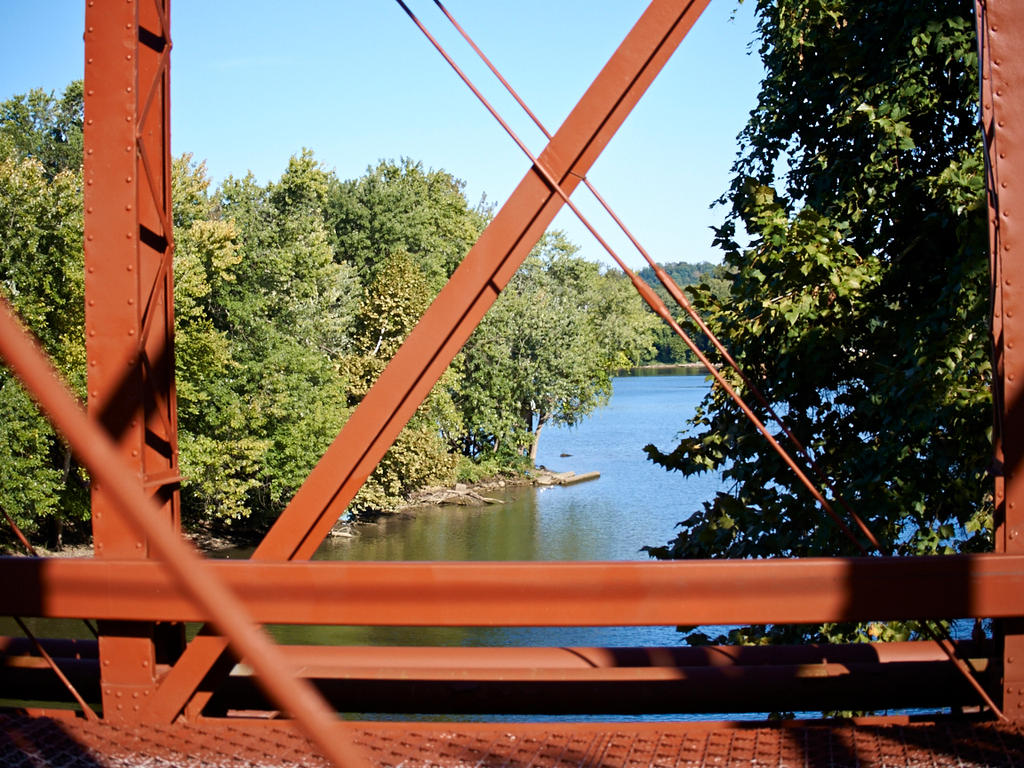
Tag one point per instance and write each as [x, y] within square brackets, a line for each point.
[42, 275]
[856, 256]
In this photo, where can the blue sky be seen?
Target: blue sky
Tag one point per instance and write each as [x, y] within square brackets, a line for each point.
[254, 82]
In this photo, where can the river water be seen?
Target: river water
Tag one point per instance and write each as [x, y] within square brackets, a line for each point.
[634, 503]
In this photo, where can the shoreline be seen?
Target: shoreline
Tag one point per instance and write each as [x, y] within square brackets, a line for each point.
[458, 494]
[466, 495]
[661, 367]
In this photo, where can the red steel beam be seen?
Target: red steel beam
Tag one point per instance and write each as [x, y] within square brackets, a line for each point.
[454, 314]
[129, 299]
[529, 662]
[535, 594]
[574, 680]
[1001, 40]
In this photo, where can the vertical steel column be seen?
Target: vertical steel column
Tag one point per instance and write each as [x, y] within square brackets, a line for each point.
[129, 310]
[1001, 40]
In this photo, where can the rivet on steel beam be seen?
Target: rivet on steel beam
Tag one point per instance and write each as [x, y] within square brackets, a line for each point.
[127, 118]
[88, 237]
[135, 451]
[128, 57]
[130, 302]
[120, 694]
[89, 182]
[90, 92]
[106, 663]
[129, 267]
[128, 89]
[128, 180]
[92, 332]
[128, 207]
[91, 270]
[144, 665]
[131, 331]
[1001, 123]
[92, 363]
[90, 30]
[1010, 660]
[138, 545]
[95, 393]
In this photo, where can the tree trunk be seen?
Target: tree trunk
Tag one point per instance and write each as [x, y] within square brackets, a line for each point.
[536, 439]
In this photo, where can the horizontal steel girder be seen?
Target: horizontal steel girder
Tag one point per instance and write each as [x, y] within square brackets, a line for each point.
[573, 680]
[534, 594]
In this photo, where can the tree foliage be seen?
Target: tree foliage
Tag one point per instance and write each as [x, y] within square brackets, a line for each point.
[669, 348]
[290, 298]
[859, 303]
[42, 275]
[402, 207]
[546, 351]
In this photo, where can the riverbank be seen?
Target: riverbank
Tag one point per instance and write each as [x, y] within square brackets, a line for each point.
[684, 369]
[478, 494]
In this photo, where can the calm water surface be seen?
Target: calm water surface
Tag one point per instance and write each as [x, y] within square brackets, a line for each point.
[634, 503]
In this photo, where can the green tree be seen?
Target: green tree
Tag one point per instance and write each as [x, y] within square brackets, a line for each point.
[391, 307]
[42, 275]
[283, 306]
[547, 349]
[220, 460]
[402, 207]
[40, 126]
[859, 303]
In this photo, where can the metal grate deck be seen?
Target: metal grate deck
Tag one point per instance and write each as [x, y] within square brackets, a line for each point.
[50, 743]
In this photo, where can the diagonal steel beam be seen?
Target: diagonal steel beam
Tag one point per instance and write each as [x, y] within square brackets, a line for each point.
[184, 565]
[454, 314]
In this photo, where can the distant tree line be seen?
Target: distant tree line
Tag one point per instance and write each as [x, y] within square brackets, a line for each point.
[692, 277]
[290, 298]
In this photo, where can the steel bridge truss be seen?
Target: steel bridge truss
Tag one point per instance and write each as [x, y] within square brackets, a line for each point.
[144, 582]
